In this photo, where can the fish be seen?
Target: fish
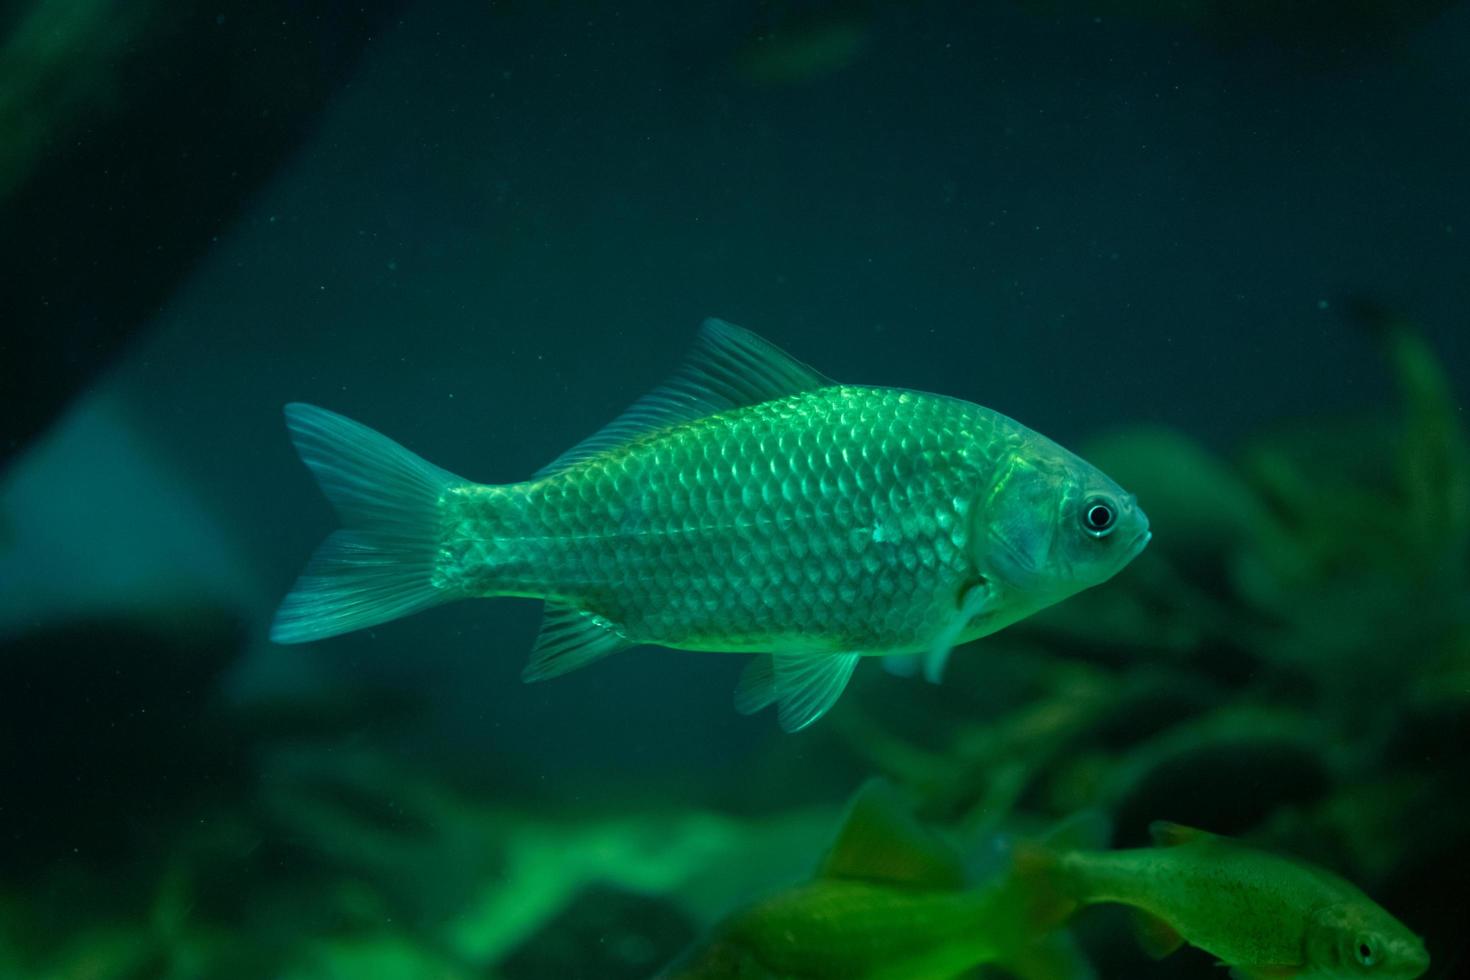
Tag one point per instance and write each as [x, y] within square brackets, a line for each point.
[749, 505]
[1264, 916]
[891, 900]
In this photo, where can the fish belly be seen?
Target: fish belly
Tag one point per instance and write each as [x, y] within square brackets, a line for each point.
[832, 520]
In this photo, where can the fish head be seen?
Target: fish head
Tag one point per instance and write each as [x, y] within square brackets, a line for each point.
[1055, 525]
[1359, 939]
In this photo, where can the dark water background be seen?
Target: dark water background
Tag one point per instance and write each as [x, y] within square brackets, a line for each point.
[503, 222]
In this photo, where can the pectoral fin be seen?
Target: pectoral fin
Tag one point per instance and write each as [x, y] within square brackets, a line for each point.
[902, 664]
[803, 686]
[977, 599]
[932, 664]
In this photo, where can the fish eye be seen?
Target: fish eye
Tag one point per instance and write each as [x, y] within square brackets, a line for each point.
[1099, 516]
[1367, 955]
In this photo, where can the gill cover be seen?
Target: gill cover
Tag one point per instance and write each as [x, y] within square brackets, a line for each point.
[1016, 530]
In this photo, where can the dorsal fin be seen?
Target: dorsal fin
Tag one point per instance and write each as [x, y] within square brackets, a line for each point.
[1166, 834]
[728, 367]
[881, 841]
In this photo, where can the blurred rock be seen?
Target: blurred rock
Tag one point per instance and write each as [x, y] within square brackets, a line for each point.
[602, 934]
[204, 100]
[111, 733]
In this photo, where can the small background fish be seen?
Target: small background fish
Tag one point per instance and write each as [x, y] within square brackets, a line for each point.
[1261, 915]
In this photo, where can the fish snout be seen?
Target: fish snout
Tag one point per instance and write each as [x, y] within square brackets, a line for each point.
[1412, 959]
[1138, 521]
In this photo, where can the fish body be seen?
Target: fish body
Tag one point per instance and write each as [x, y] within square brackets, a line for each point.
[829, 521]
[750, 505]
[851, 930]
[1264, 915]
[891, 901]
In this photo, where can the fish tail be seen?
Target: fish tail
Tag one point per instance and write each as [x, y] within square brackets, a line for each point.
[1049, 893]
[1052, 870]
[381, 564]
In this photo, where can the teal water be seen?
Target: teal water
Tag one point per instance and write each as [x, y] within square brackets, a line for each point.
[486, 229]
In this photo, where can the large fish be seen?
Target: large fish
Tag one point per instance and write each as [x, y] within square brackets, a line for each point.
[749, 505]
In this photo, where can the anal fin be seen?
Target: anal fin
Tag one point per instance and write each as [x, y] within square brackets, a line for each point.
[1156, 936]
[571, 638]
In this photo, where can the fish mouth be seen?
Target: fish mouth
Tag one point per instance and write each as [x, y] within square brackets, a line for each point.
[1139, 543]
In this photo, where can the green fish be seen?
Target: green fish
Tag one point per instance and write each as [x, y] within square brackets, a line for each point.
[890, 901]
[749, 505]
[1266, 917]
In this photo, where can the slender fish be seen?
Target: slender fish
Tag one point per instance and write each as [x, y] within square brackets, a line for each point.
[891, 900]
[1265, 917]
[749, 505]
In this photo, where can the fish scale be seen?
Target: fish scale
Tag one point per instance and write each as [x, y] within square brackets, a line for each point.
[713, 536]
[749, 504]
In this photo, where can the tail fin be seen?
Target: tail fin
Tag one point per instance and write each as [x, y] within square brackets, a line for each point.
[379, 566]
[1047, 893]
[1045, 871]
